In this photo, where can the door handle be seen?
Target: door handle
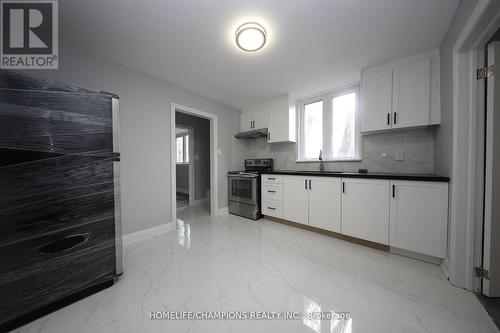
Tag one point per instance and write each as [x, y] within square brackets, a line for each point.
[310, 187]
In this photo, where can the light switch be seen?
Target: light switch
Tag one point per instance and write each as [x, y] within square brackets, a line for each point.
[399, 155]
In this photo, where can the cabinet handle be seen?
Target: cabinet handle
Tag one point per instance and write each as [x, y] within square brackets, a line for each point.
[271, 208]
[65, 243]
[271, 178]
[395, 117]
[269, 191]
[388, 119]
[393, 191]
[305, 184]
[343, 187]
[310, 187]
[269, 136]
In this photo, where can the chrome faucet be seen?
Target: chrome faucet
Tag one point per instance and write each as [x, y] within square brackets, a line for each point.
[321, 162]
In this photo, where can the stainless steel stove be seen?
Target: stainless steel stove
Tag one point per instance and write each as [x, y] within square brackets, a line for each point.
[244, 188]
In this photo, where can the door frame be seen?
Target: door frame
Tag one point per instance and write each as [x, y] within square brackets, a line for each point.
[467, 172]
[213, 155]
[191, 181]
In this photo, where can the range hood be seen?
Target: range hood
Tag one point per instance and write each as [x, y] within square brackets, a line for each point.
[253, 134]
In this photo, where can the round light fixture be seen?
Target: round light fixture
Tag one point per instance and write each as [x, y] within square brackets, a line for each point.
[251, 36]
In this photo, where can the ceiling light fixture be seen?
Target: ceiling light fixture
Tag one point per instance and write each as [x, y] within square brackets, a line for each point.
[251, 36]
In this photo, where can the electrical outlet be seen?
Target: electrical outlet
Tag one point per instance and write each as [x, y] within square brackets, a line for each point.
[399, 155]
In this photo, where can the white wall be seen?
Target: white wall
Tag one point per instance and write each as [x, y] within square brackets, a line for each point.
[145, 132]
[444, 134]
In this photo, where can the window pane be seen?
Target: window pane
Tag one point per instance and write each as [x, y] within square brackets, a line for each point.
[313, 129]
[344, 125]
[179, 149]
[186, 149]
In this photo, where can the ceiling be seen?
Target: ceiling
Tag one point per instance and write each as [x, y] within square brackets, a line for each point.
[313, 45]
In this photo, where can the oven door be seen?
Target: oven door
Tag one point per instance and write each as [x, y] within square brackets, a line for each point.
[243, 189]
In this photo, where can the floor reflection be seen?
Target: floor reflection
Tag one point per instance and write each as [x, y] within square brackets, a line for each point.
[184, 234]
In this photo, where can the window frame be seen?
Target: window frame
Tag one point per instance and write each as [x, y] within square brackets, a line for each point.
[327, 128]
[184, 154]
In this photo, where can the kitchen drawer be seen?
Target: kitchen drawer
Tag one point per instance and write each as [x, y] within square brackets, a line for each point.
[272, 208]
[42, 252]
[272, 179]
[44, 269]
[50, 282]
[272, 191]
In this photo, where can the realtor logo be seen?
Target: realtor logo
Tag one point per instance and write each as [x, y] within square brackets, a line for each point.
[29, 34]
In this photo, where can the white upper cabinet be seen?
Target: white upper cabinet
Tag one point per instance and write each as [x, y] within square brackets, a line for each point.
[247, 121]
[411, 94]
[365, 209]
[402, 94]
[419, 217]
[277, 115]
[376, 100]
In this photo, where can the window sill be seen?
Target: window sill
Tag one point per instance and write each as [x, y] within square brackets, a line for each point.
[328, 161]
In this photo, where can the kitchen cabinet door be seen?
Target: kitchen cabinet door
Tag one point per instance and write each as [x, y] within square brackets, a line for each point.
[376, 101]
[247, 121]
[325, 203]
[295, 199]
[365, 209]
[419, 217]
[281, 121]
[261, 119]
[411, 94]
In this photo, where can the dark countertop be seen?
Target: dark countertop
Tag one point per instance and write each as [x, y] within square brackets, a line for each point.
[373, 175]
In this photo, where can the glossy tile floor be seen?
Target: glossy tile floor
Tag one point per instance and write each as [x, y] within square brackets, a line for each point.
[234, 264]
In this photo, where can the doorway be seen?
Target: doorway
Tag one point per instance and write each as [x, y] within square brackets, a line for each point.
[184, 137]
[194, 159]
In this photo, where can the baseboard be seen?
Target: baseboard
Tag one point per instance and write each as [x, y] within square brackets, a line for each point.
[140, 235]
[223, 211]
[200, 201]
[182, 190]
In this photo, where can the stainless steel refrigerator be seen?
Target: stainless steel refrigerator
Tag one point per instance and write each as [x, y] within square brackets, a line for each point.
[60, 237]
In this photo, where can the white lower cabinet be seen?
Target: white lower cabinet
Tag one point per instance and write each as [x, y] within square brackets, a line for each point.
[296, 199]
[408, 215]
[313, 200]
[419, 217]
[365, 209]
[325, 203]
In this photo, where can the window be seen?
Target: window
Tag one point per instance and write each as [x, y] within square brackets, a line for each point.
[183, 148]
[330, 123]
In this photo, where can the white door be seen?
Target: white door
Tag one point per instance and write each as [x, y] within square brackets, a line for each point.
[365, 209]
[246, 121]
[325, 203]
[411, 94]
[376, 101]
[295, 199]
[419, 217]
[491, 240]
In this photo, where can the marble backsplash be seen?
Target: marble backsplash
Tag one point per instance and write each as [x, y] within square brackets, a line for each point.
[379, 152]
